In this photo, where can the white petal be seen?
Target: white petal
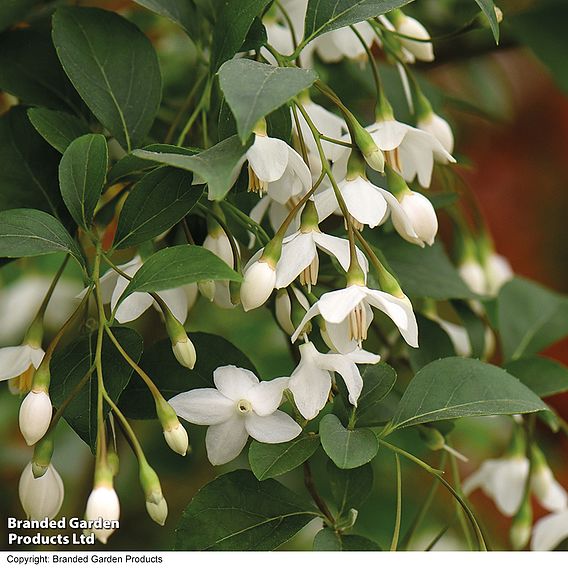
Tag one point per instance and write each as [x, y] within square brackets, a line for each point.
[234, 382]
[272, 429]
[481, 479]
[268, 157]
[364, 202]
[336, 306]
[267, 395]
[339, 337]
[509, 484]
[458, 336]
[550, 494]
[36, 354]
[326, 203]
[226, 441]
[14, 361]
[298, 251]
[176, 300]
[417, 157]
[550, 531]
[310, 387]
[401, 221]
[339, 248]
[388, 134]
[258, 212]
[347, 369]
[133, 307]
[313, 311]
[362, 357]
[203, 406]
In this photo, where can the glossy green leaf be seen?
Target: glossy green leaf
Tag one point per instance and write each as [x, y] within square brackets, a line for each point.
[543, 376]
[329, 540]
[434, 343]
[474, 325]
[488, 8]
[114, 68]
[326, 15]
[231, 28]
[158, 201]
[272, 460]
[253, 90]
[542, 321]
[171, 378]
[82, 173]
[378, 381]
[181, 12]
[176, 266]
[347, 448]
[456, 387]
[70, 365]
[56, 127]
[29, 232]
[350, 487]
[238, 512]
[218, 166]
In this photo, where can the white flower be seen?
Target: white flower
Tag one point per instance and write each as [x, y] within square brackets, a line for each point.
[41, 497]
[472, 274]
[310, 382]
[348, 315]
[550, 494]
[35, 416]
[177, 439]
[276, 168]
[439, 128]
[218, 243]
[184, 352]
[458, 336]
[300, 257]
[240, 406]
[113, 285]
[258, 282]
[283, 307]
[15, 361]
[411, 27]
[498, 271]
[409, 151]
[277, 212]
[335, 45]
[103, 504]
[550, 531]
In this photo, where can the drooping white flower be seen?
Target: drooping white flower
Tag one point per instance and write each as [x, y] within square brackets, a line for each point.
[15, 361]
[549, 493]
[276, 168]
[35, 416]
[458, 336]
[411, 152]
[333, 46]
[283, 307]
[103, 504]
[41, 497]
[348, 315]
[439, 128]
[422, 50]
[218, 243]
[240, 406]
[113, 285]
[498, 271]
[550, 531]
[311, 381]
[473, 275]
[258, 282]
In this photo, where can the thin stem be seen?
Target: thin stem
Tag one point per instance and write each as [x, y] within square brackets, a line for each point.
[336, 141]
[459, 512]
[303, 148]
[372, 63]
[290, 25]
[246, 221]
[396, 533]
[52, 286]
[187, 232]
[195, 114]
[310, 486]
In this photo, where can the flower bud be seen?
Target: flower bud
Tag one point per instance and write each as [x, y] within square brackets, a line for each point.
[177, 439]
[184, 352]
[158, 511]
[207, 289]
[41, 497]
[43, 451]
[521, 526]
[432, 437]
[155, 503]
[411, 27]
[218, 243]
[472, 274]
[364, 141]
[35, 416]
[103, 504]
[258, 283]
[420, 211]
[439, 128]
[283, 311]
[498, 271]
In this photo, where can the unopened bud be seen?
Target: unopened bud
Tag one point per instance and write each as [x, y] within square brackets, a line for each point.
[43, 451]
[184, 352]
[207, 289]
[412, 28]
[364, 141]
[158, 512]
[258, 282]
[422, 217]
[103, 504]
[41, 497]
[35, 416]
[520, 532]
[177, 439]
[155, 503]
[432, 438]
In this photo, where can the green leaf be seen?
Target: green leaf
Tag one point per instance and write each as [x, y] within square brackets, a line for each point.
[531, 318]
[238, 512]
[350, 487]
[30, 70]
[218, 166]
[378, 381]
[434, 343]
[543, 376]
[29, 232]
[231, 28]
[176, 266]
[455, 388]
[181, 12]
[82, 173]
[12, 11]
[347, 448]
[422, 272]
[328, 539]
[28, 176]
[70, 364]
[56, 127]
[474, 326]
[326, 15]
[253, 90]
[114, 68]
[272, 460]
[158, 201]
[171, 378]
[488, 8]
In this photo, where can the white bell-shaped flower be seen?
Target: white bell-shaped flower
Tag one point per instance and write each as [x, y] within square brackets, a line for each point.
[240, 406]
[549, 493]
[498, 272]
[41, 497]
[103, 504]
[15, 361]
[113, 285]
[311, 381]
[333, 46]
[258, 282]
[550, 531]
[35, 416]
[348, 315]
[473, 275]
[439, 128]
[411, 152]
[411, 27]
